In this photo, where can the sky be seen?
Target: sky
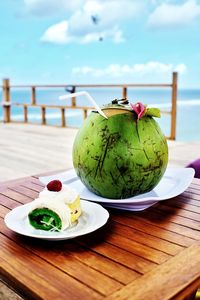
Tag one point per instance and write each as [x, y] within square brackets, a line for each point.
[100, 41]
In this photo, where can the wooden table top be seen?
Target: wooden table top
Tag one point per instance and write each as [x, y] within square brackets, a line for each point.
[154, 254]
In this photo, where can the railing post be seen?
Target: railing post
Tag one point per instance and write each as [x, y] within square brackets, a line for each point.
[25, 114]
[43, 110]
[85, 113]
[6, 100]
[63, 117]
[33, 98]
[124, 92]
[174, 105]
[74, 98]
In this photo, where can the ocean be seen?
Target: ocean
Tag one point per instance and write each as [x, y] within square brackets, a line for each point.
[188, 108]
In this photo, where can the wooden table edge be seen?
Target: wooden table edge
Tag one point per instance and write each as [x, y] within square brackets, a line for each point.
[157, 280]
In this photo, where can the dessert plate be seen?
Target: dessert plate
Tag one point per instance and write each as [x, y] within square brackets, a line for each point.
[93, 217]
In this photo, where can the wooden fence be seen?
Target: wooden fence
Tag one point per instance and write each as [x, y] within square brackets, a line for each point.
[7, 101]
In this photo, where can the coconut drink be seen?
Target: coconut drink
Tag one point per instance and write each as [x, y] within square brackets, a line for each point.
[123, 155]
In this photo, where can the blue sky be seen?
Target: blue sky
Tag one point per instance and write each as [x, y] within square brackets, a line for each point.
[100, 41]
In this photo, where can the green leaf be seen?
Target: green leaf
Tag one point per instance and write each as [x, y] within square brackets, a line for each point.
[153, 112]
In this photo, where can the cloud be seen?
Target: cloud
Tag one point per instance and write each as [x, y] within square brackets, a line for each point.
[57, 33]
[96, 20]
[50, 7]
[117, 70]
[60, 34]
[181, 68]
[170, 15]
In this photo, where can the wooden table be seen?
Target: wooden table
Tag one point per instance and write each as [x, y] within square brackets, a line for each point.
[154, 254]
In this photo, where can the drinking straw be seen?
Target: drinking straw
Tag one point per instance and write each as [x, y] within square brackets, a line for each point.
[84, 93]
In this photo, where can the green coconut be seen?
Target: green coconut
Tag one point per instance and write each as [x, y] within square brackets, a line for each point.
[121, 156]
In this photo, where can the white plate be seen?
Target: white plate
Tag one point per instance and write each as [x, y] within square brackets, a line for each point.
[174, 182]
[93, 217]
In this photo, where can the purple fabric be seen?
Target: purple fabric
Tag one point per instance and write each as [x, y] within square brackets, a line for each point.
[196, 166]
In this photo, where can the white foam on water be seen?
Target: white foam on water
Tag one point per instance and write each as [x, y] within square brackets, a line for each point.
[194, 102]
[181, 103]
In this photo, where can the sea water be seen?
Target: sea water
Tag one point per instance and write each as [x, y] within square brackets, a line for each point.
[188, 107]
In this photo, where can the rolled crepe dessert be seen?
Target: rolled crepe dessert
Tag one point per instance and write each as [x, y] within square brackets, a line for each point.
[49, 215]
[56, 208]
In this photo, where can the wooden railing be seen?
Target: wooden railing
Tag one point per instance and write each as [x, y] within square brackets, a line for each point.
[7, 102]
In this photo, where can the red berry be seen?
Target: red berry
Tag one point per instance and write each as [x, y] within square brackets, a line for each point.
[54, 186]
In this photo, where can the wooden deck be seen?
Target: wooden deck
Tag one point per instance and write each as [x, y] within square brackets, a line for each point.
[31, 149]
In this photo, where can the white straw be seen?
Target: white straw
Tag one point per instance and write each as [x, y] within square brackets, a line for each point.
[89, 98]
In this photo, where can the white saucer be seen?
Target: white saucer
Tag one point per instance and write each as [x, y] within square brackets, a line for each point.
[130, 206]
[93, 217]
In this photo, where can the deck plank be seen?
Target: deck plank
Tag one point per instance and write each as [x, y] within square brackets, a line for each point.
[27, 149]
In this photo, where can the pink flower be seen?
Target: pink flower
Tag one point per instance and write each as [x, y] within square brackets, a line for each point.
[139, 109]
